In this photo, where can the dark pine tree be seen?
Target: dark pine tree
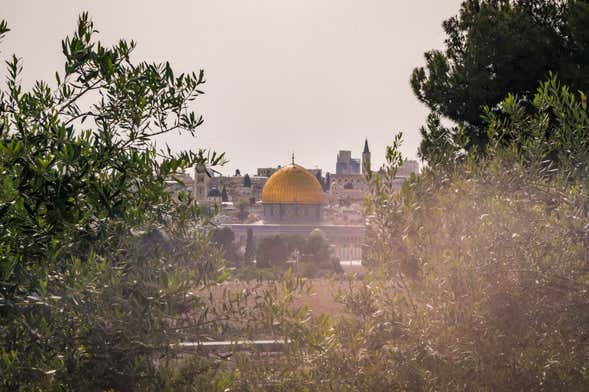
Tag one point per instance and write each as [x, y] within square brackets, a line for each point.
[327, 183]
[250, 246]
[494, 48]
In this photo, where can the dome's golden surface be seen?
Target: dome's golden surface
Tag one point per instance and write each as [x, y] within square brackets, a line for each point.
[292, 184]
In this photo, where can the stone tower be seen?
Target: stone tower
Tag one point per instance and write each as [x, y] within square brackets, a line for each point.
[201, 183]
[366, 158]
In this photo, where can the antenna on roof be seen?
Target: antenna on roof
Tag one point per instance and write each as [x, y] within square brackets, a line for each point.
[293, 158]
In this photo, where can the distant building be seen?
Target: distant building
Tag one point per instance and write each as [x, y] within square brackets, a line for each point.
[201, 183]
[214, 196]
[353, 185]
[349, 186]
[346, 164]
[179, 183]
[266, 171]
[318, 173]
[409, 167]
[293, 202]
[235, 189]
[293, 195]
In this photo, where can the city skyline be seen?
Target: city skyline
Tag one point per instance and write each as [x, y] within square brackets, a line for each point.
[309, 77]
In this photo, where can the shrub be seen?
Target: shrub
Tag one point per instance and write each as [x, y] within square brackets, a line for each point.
[99, 266]
[479, 272]
[271, 252]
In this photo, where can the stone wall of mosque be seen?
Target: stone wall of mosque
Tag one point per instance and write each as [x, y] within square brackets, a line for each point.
[293, 213]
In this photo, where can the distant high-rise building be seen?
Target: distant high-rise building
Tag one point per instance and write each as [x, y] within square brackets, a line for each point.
[346, 164]
[343, 162]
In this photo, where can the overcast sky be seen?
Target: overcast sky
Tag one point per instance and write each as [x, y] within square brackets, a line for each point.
[305, 76]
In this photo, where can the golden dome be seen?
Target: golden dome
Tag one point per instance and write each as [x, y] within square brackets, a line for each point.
[293, 184]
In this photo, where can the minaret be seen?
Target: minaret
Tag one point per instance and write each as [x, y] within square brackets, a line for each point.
[366, 158]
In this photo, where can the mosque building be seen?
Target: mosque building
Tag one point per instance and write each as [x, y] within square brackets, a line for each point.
[293, 195]
[293, 201]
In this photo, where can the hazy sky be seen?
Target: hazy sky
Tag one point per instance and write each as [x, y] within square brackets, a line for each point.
[309, 76]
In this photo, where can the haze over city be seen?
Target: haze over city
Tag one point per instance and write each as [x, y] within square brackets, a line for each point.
[341, 256]
[310, 77]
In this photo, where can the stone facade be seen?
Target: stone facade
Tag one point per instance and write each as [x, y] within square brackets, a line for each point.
[235, 189]
[353, 187]
[346, 164]
[349, 187]
[266, 171]
[176, 187]
[200, 188]
[293, 213]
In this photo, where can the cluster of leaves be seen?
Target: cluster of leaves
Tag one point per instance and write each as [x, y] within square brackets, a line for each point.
[490, 45]
[272, 251]
[480, 274]
[100, 269]
[250, 247]
[554, 136]
[224, 238]
[311, 253]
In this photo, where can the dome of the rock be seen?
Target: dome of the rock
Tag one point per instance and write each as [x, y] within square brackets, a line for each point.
[292, 184]
[292, 195]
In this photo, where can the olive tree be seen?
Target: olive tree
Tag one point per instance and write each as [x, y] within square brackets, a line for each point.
[478, 274]
[100, 269]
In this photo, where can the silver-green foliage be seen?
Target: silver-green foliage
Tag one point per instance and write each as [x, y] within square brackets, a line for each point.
[480, 271]
[98, 265]
[484, 264]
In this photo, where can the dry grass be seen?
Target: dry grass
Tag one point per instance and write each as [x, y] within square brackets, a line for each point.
[320, 299]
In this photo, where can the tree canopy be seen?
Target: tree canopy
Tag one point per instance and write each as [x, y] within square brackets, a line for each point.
[96, 257]
[494, 48]
[477, 271]
[477, 275]
[225, 239]
[271, 251]
[247, 182]
[250, 246]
